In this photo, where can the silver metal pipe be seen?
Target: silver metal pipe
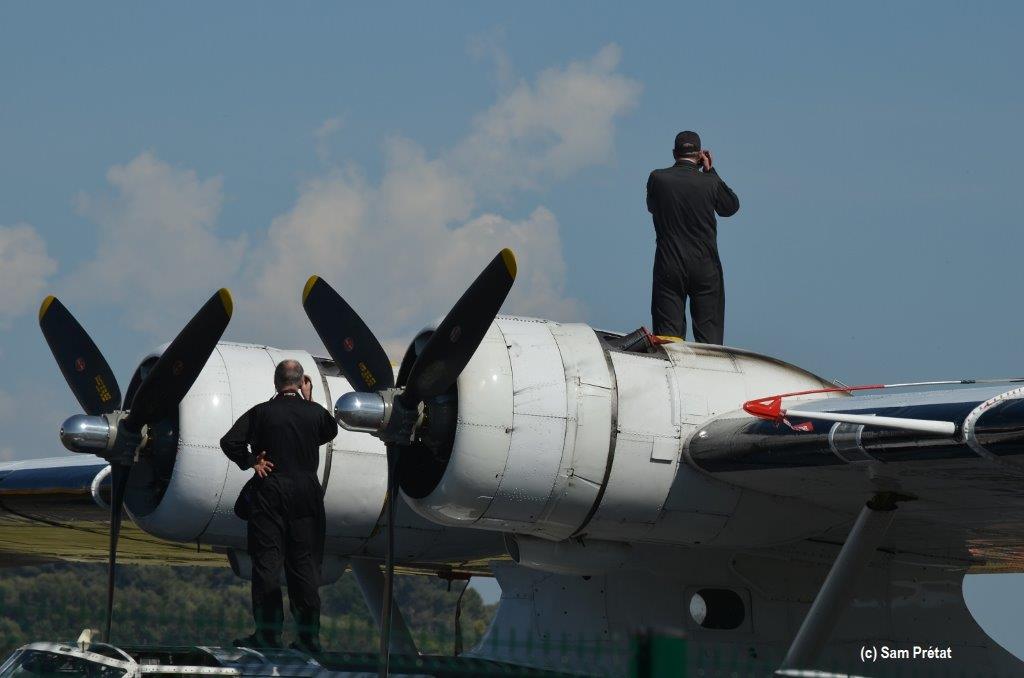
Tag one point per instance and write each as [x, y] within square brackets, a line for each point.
[836, 592]
[94, 488]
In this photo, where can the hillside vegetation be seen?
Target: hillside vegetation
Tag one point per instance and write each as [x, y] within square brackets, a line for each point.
[210, 606]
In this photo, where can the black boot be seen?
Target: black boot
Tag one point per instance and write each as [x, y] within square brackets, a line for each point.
[308, 628]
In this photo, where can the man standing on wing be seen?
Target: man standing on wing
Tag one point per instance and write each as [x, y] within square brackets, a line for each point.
[280, 440]
[683, 200]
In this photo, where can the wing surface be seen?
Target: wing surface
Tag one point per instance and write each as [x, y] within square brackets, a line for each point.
[965, 486]
[47, 514]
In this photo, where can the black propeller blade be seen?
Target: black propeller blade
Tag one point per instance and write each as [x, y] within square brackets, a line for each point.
[346, 337]
[83, 366]
[179, 366]
[457, 337]
[389, 561]
[361, 359]
[118, 486]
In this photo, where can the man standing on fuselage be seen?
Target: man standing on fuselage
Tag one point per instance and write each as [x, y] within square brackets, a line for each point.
[683, 200]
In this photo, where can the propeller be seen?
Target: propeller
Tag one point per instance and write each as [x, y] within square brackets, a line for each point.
[83, 366]
[401, 415]
[106, 430]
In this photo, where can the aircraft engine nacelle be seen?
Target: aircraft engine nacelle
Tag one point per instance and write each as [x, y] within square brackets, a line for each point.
[563, 431]
[183, 488]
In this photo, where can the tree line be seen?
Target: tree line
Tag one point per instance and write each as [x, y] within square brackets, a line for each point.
[162, 605]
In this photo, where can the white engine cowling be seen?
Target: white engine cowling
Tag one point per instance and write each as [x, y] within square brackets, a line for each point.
[559, 434]
[186, 491]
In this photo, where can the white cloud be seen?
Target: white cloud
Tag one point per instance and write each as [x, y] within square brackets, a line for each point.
[540, 284]
[322, 137]
[400, 248]
[25, 268]
[399, 272]
[550, 128]
[158, 254]
[490, 45]
[403, 249]
[319, 234]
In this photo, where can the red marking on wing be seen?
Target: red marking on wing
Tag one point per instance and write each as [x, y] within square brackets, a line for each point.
[770, 408]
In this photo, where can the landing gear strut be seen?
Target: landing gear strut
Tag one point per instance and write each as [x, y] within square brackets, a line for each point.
[837, 590]
[371, 584]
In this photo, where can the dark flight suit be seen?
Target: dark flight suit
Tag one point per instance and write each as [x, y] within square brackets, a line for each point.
[286, 525]
[683, 200]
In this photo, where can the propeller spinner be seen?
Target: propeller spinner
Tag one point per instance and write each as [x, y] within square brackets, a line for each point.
[108, 431]
[401, 416]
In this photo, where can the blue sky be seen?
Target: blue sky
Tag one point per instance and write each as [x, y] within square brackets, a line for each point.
[152, 153]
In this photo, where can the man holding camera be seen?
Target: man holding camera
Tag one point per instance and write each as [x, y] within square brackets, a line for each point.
[683, 200]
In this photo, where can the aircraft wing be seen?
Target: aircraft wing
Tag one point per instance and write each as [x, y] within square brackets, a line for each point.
[47, 514]
[956, 455]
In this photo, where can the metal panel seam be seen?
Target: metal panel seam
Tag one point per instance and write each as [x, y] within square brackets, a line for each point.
[504, 340]
[329, 454]
[227, 469]
[612, 438]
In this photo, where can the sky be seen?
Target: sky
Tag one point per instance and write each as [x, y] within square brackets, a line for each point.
[152, 153]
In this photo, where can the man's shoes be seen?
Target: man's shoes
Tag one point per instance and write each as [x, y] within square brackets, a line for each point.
[258, 641]
[307, 645]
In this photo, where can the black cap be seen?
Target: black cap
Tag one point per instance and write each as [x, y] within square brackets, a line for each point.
[687, 142]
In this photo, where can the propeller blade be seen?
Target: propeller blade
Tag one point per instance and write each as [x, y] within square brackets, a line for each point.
[389, 562]
[179, 366]
[83, 366]
[346, 337]
[118, 484]
[460, 333]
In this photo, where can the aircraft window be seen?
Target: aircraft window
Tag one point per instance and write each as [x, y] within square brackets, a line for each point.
[38, 663]
[720, 609]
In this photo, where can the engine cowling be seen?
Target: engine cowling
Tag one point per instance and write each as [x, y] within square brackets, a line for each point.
[560, 433]
[184, 488]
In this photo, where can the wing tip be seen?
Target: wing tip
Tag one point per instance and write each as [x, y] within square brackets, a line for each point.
[509, 258]
[309, 287]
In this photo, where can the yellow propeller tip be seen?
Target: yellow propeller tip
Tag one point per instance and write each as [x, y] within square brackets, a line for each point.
[225, 300]
[45, 306]
[509, 257]
[309, 287]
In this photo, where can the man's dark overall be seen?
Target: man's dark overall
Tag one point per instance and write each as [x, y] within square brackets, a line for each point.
[286, 523]
[683, 202]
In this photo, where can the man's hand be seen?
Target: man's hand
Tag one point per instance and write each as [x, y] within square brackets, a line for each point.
[706, 159]
[307, 387]
[263, 466]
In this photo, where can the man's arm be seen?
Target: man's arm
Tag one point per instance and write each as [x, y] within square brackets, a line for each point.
[328, 428]
[235, 442]
[650, 187]
[726, 202]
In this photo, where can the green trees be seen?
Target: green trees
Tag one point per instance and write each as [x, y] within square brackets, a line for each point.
[163, 605]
